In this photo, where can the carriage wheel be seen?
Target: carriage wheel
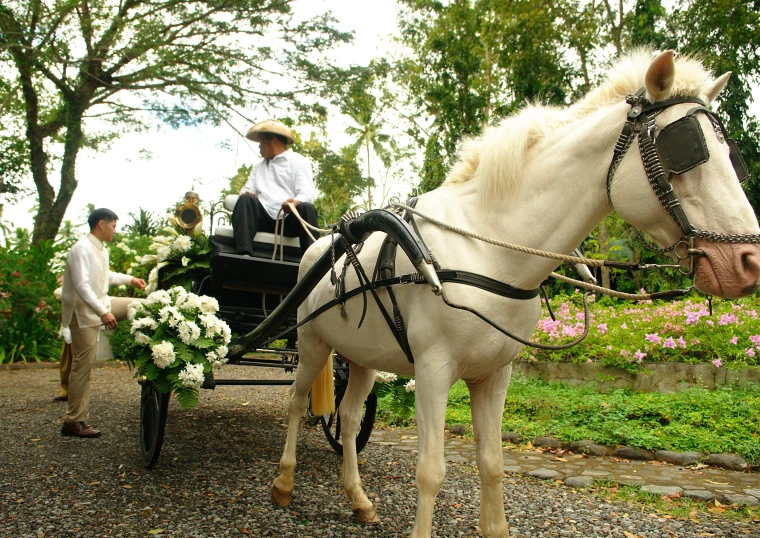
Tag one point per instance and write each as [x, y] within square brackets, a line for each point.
[311, 419]
[331, 423]
[154, 406]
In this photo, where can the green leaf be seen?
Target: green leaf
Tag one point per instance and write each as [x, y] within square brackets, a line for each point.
[187, 397]
[204, 343]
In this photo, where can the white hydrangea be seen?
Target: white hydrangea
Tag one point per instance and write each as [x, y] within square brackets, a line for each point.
[226, 333]
[163, 354]
[141, 338]
[189, 332]
[384, 377]
[132, 309]
[171, 315]
[163, 252]
[222, 351]
[182, 243]
[140, 323]
[209, 305]
[410, 386]
[192, 376]
[189, 302]
[160, 296]
[211, 323]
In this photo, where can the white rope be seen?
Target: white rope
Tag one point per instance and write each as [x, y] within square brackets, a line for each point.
[511, 246]
[306, 225]
[600, 289]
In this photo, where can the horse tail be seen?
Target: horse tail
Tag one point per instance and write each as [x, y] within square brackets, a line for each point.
[323, 391]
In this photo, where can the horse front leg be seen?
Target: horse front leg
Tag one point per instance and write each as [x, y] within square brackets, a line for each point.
[432, 386]
[487, 402]
[360, 383]
[312, 358]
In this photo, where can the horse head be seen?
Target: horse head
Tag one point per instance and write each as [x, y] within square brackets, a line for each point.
[706, 221]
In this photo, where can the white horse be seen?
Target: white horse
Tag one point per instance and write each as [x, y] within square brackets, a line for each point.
[538, 179]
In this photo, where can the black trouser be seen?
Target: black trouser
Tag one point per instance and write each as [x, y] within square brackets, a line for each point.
[249, 217]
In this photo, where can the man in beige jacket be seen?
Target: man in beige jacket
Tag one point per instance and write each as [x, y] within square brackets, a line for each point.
[85, 306]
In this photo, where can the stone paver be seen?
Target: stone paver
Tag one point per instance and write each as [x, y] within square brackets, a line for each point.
[579, 470]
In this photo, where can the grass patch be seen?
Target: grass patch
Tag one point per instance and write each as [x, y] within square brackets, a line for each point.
[667, 507]
[719, 421]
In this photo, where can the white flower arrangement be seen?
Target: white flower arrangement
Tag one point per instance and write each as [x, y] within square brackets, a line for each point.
[182, 258]
[177, 340]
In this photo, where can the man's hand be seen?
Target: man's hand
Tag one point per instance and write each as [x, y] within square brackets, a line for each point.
[138, 283]
[108, 320]
[286, 207]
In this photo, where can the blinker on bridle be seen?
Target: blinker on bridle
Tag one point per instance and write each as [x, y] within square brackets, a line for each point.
[679, 147]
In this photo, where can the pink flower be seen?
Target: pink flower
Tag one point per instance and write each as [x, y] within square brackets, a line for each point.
[717, 362]
[710, 322]
[625, 353]
[609, 348]
[654, 338]
[669, 343]
[579, 315]
[602, 328]
[734, 340]
[589, 360]
[755, 339]
[727, 319]
[750, 352]
[681, 342]
[624, 326]
[639, 356]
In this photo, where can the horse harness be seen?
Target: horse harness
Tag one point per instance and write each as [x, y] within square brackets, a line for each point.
[679, 147]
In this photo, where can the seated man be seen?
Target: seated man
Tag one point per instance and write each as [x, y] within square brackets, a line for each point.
[283, 176]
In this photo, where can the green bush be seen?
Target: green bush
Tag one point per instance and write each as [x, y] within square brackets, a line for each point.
[29, 313]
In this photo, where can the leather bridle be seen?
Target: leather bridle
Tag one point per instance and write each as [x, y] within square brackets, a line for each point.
[678, 151]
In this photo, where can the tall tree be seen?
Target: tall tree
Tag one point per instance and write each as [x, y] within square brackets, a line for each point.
[726, 34]
[183, 62]
[473, 61]
[365, 110]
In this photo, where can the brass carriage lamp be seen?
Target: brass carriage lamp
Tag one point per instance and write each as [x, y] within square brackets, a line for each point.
[188, 215]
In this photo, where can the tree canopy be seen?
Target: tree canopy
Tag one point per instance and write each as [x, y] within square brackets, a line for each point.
[84, 71]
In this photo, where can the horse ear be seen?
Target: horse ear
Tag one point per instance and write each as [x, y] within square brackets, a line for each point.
[659, 77]
[716, 86]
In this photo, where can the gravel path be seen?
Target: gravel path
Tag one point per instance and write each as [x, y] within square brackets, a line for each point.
[217, 465]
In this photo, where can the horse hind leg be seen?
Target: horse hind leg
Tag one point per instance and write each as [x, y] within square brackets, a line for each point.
[487, 402]
[312, 359]
[360, 383]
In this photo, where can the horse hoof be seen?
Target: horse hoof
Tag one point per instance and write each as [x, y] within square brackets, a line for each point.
[366, 515]
[281, 498]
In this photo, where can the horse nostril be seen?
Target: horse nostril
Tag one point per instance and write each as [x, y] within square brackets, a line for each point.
[751, 263]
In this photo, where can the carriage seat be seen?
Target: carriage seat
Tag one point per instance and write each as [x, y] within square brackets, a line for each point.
[222, 238]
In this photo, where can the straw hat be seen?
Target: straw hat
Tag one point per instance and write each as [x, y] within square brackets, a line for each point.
[270, 126]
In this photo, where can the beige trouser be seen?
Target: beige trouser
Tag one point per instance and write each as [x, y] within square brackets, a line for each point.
[66, 356]
[84, 341]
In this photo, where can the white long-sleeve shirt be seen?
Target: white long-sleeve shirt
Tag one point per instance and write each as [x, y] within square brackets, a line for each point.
[288, 175]
[86, 281]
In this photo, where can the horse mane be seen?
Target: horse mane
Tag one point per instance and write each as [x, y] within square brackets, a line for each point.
[495, 159]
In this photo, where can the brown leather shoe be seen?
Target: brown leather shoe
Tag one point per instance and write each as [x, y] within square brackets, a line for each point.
[60, 398]
[78, 429]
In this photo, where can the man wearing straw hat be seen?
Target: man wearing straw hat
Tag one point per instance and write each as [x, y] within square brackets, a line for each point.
[284, 177]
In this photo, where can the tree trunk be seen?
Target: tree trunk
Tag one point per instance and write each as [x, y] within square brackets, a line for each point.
[53, 208]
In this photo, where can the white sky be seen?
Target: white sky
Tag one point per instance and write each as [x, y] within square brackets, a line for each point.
[191, 156]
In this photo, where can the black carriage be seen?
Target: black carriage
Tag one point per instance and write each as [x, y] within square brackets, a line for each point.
[248, 289]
